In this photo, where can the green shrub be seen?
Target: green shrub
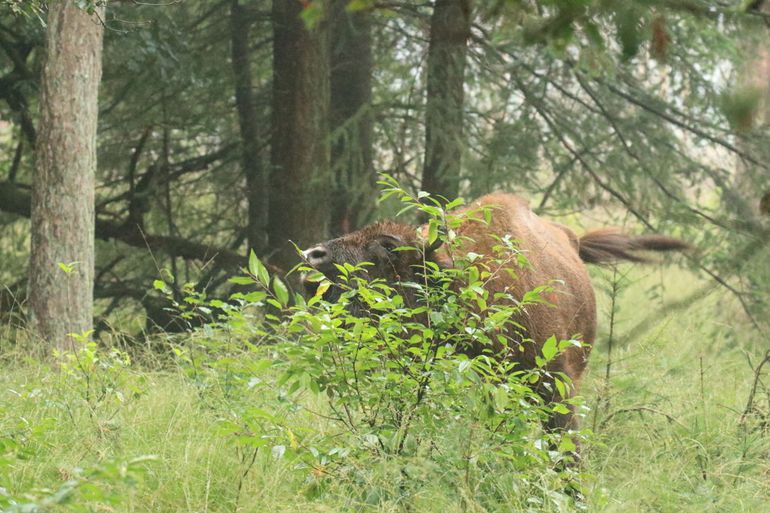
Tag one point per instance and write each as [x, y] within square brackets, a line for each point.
[378, 402]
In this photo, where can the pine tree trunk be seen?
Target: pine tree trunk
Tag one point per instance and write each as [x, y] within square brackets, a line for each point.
[61, 272]
[300, 178]
[351, 119]
[248, 119]
[449, 33]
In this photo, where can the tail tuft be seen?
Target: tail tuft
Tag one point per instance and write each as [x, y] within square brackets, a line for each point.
[610, 245]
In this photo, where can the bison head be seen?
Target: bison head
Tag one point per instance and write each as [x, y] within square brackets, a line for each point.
[384, 245]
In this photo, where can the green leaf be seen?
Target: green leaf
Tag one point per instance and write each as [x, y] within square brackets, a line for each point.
[258, 269]
[405, 209]
[473, 274]
[359, 5]
[281, 292]
[561, 387]
[550, 348]
[241, 280]
[312, 14]
[455, 203]
[67, 268]
[322, 288]
[432, 231]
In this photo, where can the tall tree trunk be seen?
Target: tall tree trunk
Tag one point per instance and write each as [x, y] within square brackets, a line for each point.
[61, 271]
[351, 118]
[449, 32]
[300, 178]
[248, 119]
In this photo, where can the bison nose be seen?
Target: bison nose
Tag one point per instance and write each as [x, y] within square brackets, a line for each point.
[316, 256]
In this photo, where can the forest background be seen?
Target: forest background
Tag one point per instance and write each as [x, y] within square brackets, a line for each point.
[233, 126]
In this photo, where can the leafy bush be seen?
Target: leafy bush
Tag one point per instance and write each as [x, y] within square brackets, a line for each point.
[376, 400]
[393, 397]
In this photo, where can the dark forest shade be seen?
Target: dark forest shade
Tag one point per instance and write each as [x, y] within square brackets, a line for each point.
[248, 120]
[351, 118]
[449, 32]
[300, 180]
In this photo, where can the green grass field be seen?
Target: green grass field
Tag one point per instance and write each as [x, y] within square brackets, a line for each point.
[667, 436]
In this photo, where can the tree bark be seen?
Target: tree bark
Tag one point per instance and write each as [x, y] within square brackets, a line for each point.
[63, 184]
[351, 118]
[449, 32]
[248, 120]
[300, 179]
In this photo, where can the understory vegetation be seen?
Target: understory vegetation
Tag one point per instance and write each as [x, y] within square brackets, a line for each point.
[286, 404]
[209, 432]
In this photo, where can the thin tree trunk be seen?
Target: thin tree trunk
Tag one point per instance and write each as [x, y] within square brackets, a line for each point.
[61, 272]
[351, 118]
[449, 33]
[300, 179]
[248, 119]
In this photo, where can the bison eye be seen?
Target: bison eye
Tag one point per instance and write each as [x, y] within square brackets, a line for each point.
[390, 243]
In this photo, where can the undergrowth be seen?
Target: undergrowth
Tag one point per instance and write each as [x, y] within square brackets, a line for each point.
[371, 404]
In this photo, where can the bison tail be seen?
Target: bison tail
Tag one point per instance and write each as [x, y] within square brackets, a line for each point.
[610, 245]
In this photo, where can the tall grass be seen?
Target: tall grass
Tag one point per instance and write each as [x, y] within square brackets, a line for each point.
[667, 435]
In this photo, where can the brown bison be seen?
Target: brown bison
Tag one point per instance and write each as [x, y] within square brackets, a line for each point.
[556, 257]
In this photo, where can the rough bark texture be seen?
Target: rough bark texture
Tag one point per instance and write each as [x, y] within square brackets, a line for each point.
[300, 178]
[351, 119]
[248, 119]
[449, 32]
[63, 185]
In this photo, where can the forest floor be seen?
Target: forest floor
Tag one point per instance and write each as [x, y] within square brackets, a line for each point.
[667, 432]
